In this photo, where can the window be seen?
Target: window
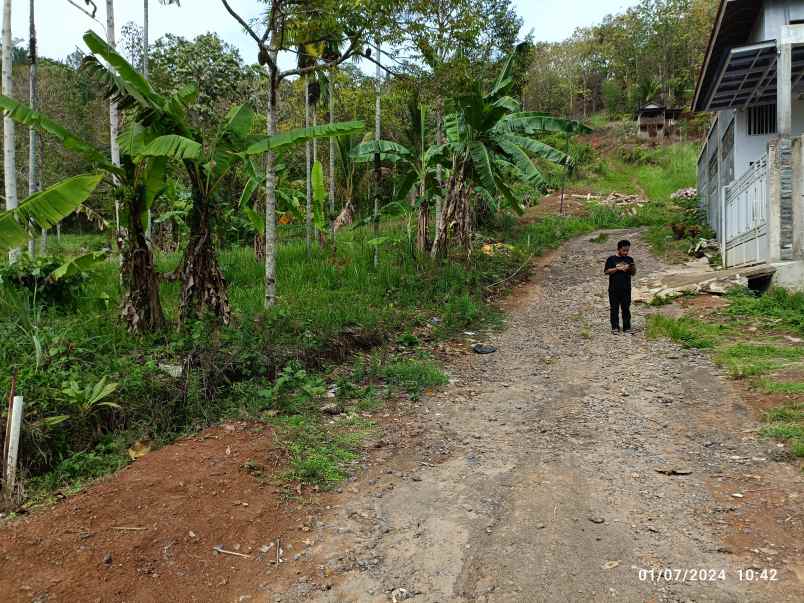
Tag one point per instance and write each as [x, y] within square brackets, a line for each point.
[762, 120]
[727, 155]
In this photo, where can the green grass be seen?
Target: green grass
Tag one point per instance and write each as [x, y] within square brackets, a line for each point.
[414, 376]
[773, 386]
[321, 454]
[689, 332]
[759, 355]
[787, 423]
[750, 360]
[667, 169]
[327, 309]
[778, 308]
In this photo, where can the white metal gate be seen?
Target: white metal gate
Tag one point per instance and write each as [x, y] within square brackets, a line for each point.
[745, 217]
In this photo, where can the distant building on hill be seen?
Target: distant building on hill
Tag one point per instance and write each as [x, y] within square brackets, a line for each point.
[656, 122]
[751, 168]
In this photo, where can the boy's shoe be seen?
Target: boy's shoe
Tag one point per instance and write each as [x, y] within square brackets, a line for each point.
[628, 332]
[615, 331]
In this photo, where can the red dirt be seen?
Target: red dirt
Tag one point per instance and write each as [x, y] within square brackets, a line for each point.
[190, 497]
[550, 205]
[183, 500]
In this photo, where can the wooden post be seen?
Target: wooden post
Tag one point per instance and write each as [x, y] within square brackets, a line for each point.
[15, 422]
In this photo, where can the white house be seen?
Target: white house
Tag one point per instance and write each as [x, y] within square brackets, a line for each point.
[751, 168]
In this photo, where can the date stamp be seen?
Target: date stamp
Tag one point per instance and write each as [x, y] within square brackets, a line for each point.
[695, 574]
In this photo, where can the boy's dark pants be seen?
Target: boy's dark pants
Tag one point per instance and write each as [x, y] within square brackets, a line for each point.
[617, 300]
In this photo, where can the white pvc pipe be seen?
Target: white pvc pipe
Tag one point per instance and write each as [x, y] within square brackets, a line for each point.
[13, 445]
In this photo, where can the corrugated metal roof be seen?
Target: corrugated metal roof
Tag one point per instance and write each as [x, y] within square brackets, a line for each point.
[733, 25]
[747, 77]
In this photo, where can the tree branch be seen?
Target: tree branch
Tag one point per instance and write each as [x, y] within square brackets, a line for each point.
[243, 23]
[326, 65]
[91, 15]
[383, 67]
[263, 51]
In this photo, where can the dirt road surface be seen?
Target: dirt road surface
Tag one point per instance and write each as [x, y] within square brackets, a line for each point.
[551, 489]
[570, 465]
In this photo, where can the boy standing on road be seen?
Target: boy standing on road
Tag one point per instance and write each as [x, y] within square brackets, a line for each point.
[620, 268]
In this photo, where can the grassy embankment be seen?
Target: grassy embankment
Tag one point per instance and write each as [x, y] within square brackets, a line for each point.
[758, 340]
[341, 328]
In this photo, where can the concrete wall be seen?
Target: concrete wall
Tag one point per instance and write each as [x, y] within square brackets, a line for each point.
[776, 14]
[773, 17]
[748, 149]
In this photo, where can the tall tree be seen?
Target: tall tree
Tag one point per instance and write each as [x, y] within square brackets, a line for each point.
[377, 137]
[280, 21]
[9, 154]
[114, 116]
[34, 183]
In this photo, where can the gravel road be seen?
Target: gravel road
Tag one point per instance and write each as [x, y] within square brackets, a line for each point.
[563, 464]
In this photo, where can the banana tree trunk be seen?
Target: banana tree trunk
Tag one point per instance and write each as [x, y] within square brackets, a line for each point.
[203, 286]
[439, 172]
[422, 226]
[456, 225]
[423, 223]
[141, 307]
[346, 217]
[9, 155]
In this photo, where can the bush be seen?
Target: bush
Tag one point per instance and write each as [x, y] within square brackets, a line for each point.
[34, 275]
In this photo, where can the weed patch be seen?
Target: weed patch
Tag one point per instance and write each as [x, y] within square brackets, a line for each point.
[787, 423]
[689, 332]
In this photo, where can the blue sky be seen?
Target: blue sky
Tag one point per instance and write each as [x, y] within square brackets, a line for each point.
[60, 25]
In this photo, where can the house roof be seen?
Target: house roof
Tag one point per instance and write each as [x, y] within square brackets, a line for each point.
[733, 24]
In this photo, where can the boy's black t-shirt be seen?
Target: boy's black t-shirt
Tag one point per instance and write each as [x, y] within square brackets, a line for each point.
[619, 281]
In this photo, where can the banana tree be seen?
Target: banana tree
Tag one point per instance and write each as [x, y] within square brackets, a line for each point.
[160, 129]
[279, 142]
[345, 146]
[137, 182]
[491, 144]
[415, 164]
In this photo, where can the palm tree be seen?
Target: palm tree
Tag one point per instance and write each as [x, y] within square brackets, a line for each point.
[9, 155]
[491, 143]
